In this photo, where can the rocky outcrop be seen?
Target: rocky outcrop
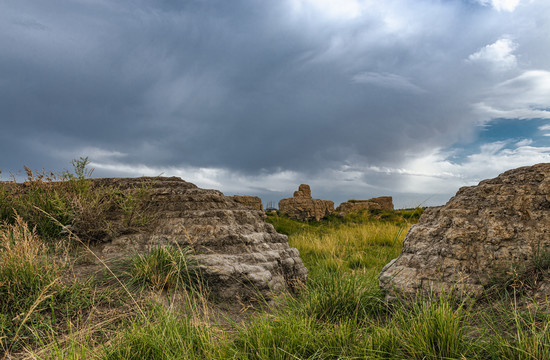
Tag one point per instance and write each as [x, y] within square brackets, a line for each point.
[303, 207]
[240, 254]
[480, 234]
[252, 202]
[378, 203]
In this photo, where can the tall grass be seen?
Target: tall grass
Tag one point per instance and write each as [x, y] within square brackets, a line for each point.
[434, 328]
[27, 278]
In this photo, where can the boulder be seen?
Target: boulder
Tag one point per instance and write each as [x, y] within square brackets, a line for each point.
[240, 254]
[252, 202]
[303, 207]
[481, 233]
[378, 203]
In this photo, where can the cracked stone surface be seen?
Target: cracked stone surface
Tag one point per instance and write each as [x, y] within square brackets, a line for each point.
[482, 230]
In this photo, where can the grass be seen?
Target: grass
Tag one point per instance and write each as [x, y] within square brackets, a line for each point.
[155, 305]
[164, 268]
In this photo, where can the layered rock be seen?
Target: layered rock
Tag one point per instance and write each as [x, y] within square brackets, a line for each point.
[240, 254]
[480, 233]
[303, 207]
[378, 203]
[252, 202]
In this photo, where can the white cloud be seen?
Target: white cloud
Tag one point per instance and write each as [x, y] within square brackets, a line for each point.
[524, 142]
[387, 80]
[346, 9]
[225, 180]
[437, 173]
[526, 96]
[501, 5]
[497, 55]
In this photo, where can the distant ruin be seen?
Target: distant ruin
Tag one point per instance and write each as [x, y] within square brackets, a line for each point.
[303, 207]
[377, 203]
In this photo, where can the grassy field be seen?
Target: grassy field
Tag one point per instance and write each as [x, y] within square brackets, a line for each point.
[155, 306]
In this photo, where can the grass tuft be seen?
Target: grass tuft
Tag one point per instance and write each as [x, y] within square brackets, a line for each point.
[164, 268]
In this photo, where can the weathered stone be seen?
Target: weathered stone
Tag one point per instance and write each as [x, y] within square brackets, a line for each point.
[479, 233]
[240, 254]
[385, 202]
[378, 203]
[252, 202]
[303, 207]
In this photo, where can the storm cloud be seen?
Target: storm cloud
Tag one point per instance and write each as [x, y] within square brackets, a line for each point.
[356, 97]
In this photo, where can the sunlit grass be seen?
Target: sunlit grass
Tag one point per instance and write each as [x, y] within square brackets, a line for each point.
[367, 247]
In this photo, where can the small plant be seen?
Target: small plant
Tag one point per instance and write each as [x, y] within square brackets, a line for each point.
[80, 168]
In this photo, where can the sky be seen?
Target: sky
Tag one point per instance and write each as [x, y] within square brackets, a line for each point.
[358, 98]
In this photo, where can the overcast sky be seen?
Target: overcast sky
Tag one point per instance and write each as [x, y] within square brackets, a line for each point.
[358, 98]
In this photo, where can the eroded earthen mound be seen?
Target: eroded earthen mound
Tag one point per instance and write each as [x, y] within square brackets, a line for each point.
[240, 254]
[303, 207]
[479, 234]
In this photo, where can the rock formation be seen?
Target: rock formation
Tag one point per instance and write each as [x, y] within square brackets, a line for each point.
[303, 207]
[481, 232]
[240, 254]
[378, 203]
[252, 202]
